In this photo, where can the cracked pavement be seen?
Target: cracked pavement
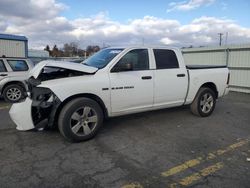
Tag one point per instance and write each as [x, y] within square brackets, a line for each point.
[134, 148]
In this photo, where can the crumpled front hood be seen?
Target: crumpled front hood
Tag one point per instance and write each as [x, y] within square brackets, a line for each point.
[61, 64]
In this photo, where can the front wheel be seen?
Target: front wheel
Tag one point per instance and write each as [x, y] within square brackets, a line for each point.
[204, 102]
[80, 119]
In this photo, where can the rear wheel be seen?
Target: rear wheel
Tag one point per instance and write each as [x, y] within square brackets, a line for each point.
[204, 102]
[13, 93]
[80, 119]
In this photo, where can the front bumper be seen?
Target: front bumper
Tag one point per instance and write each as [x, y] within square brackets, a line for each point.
[37, 111]
[21, 114]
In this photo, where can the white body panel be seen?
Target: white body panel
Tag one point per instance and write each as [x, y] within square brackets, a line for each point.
[67, 65]
[126, 92]
[136, 93]
[17, 115]
[200, 76]
[87, 84]
[170, 90]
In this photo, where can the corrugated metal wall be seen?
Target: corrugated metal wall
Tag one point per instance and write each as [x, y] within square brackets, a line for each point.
[236, 57]
[12, 48]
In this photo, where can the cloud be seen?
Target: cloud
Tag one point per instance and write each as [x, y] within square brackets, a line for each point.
[3, 24]
[98, 29]
[30, 9]
[188, 5]
[167, 41]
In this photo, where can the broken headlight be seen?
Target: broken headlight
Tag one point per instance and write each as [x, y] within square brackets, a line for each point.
[41, 94]
[44, 106]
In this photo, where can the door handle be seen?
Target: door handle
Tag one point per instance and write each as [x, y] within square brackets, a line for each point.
[181, 75]
[146, 77]
[3, 74]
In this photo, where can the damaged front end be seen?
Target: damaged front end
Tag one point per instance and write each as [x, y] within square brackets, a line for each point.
[39, 108]
[44, 106]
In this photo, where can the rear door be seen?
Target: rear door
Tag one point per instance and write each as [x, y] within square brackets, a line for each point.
[132, 90]
[171, 79]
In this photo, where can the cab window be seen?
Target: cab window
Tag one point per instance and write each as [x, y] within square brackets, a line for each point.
[165, 59]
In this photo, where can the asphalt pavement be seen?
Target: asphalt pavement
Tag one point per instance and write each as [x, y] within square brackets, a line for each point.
[164, 148]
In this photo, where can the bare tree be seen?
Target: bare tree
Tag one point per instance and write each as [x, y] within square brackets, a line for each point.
[47, 48]
[92, 49]
[55, 51]
[71, 49]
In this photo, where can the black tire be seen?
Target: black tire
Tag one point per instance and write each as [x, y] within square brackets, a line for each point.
[198, 106]
[73, 108]
[17, 93]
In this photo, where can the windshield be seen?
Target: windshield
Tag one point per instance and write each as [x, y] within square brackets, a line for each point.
[102, 58]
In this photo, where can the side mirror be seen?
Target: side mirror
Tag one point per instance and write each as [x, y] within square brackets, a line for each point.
[120, 67]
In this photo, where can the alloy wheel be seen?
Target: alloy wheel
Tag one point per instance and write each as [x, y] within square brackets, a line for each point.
[83, 121]
[14, 94]
[206, 103]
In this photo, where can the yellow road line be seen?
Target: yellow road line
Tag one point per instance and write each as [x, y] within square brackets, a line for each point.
[194, 162]
[182, 167]
[197, 176]
[133, 185]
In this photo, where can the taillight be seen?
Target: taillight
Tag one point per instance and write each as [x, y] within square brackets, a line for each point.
[228, 78]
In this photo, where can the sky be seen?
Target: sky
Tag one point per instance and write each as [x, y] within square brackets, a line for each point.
[114, 23]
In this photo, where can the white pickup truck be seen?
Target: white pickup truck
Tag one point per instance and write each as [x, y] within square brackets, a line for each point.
[114, 82]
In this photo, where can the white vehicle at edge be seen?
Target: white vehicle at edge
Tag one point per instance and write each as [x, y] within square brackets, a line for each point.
[113, 82]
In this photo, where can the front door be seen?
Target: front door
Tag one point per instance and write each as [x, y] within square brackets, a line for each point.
[132, 89]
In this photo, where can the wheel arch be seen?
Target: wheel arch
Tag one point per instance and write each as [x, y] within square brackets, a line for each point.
[87, 95]
[211, 86]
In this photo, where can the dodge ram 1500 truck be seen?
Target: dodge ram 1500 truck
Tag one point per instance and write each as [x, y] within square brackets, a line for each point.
[113, 82]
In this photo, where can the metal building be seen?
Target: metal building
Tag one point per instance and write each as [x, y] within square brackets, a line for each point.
[13, 46]
[37, 53]
[236, 57]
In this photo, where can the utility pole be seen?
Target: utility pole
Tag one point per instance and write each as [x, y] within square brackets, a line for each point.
[220, 34]
[226, 37]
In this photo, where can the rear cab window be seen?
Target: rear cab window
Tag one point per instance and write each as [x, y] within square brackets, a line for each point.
[18, 65]
[2, 66]
[165, 59]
